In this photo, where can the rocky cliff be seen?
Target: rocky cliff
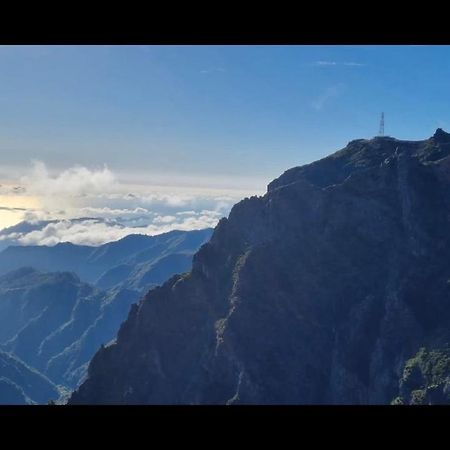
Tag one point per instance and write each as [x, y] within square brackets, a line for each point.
[321, 291]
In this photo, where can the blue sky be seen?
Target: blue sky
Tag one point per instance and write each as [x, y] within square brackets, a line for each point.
[229, 110]
[210, 116]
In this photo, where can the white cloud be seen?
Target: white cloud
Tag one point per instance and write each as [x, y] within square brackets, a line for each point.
[73, 182]
[335, 63]
[91, 206]
[327, 95]
[89, 232]
[97, 232]
[164, 219]
[11, 190]
[325, 63]
[186, 213]
[106, 212]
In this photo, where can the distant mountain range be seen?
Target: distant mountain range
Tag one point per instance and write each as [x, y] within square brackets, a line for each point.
[21, 384]
[133, 256]
[54, 322]
[332, 288]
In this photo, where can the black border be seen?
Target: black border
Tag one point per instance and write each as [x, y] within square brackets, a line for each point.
[223, 24]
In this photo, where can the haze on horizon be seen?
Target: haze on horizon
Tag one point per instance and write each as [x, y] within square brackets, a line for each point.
[153, 138]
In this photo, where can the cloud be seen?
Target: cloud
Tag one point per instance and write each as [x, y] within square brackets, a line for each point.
[324, 63]
[72, 183]
[335, 63]
[80, 190]
[162, 203]
[11, 190]
[328, 94]
[184, 213]
[106, 212]
[164, 219]
[91, 206]
[96, 231]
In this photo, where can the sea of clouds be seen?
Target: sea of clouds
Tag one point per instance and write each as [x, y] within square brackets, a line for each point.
[92, 206]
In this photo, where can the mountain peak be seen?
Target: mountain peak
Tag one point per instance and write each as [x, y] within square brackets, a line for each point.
[441, 136]
[264, 311]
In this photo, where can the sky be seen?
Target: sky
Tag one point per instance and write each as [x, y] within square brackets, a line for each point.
[161, 137]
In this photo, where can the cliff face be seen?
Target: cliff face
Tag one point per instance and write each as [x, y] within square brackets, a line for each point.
[317, 292]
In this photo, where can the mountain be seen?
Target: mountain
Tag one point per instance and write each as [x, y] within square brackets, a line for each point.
[55, 322]
[332, 288]
[102, 263]
[138, 258]
[22, 385]
[41, 314]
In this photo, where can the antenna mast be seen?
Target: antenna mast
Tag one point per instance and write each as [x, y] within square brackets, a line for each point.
[381, 132]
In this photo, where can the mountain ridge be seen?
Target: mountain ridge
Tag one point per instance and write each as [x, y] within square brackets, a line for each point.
[55, 321]
[91, 263]
[319, 291]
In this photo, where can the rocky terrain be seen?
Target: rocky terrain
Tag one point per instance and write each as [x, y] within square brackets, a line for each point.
[53, 322]
[332, 288]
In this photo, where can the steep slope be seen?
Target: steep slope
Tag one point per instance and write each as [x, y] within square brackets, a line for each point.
[317, 292]
[22, 385]
[69, 364]
[55, 322]
[150, 274]
[94, 263]
[152, 260]
[32, 304]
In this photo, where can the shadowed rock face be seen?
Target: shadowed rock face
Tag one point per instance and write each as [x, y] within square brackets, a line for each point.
[317, 292]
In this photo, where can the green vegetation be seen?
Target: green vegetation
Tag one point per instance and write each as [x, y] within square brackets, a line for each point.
[425, 377]
[398, 401]
[418, 397]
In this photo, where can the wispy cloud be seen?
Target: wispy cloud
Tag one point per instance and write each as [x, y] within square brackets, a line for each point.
[324, 63]
[328, 94]
[336, 63]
